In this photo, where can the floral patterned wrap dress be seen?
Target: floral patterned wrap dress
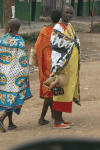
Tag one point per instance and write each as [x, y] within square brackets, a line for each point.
[14, 73]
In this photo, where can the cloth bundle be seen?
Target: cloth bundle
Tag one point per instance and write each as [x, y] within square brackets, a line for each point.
[56, 81]
[33, 58]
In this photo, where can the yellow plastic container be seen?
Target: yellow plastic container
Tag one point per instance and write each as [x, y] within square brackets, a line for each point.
[33, 59]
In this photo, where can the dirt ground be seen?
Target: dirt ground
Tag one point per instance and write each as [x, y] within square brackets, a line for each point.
[86, 118]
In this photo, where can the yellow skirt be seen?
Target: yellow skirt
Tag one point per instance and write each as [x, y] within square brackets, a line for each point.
[71, 89]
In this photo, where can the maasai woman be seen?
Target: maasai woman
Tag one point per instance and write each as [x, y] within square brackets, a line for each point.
[65, 60]
[43, 52]
[14, 73]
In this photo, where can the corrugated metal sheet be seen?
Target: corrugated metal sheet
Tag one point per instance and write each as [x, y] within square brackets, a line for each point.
[21, 10]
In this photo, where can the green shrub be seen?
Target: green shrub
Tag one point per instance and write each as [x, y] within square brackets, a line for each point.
[29, 38]
[96, 28]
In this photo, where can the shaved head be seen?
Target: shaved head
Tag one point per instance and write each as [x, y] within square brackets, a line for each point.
[67, 12]
[67, 5]
[15, 23]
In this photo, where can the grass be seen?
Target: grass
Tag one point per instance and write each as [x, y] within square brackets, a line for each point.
[86, 56]
[83, 58]
[96, 28]
[30, 43]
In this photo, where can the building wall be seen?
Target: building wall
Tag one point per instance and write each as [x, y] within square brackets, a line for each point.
[48, 5]
[75, 3]
[97, 7]
[81, 7]
[12, 3]
[87, 7]
[1, 10]
[23, 10]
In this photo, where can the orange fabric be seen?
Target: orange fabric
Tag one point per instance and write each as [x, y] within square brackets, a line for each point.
[61, 126]
[17, 34]
[68, 123]
[19, 106]
[63, 25]
[43, 52]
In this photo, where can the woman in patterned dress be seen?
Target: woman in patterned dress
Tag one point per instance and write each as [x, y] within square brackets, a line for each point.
[14, 73]
[65, 60]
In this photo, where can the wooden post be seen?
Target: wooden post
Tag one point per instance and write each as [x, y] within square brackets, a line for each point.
[92, 16]
[69, 1]
[53, 5]
[8, 12]
[3, 14]
[29, 8]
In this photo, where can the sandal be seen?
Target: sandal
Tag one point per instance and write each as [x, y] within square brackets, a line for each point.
[68, 123]
[43, 122]
[2, 127]
[61, 126]
[13, 127]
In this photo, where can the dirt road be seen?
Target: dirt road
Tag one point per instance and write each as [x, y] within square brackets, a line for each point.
[86, 118]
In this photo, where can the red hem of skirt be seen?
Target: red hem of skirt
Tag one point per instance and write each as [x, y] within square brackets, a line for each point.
[62, 106]
[45, 97]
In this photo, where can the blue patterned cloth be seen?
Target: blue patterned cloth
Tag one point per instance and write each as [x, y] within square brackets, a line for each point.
[14, 73]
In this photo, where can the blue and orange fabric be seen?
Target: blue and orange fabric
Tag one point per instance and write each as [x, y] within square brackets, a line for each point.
[14, 73]
[43, 52]
[65, 60]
